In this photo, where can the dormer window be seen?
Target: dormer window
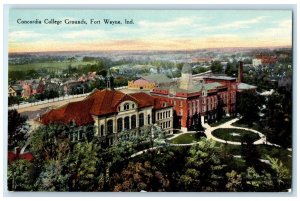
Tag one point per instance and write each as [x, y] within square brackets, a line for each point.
[126, 106]
[132, 105]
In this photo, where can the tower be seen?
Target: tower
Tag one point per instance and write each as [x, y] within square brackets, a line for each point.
[240, 72]
[186, 80]
[109, 80]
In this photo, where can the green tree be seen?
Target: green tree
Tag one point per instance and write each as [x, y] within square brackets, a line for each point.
[234, 181]
[216, 67]
[17, 129]
[19, 176]
[255, 182]
[204, 168]
[53, 177]
[85, 167]
[281, 175]
[248, 106]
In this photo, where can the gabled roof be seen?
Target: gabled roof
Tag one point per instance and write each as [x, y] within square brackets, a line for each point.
[97, 103]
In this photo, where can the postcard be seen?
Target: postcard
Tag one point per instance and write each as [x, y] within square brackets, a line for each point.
[133, 100]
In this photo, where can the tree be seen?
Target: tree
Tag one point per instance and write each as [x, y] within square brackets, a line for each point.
[85, 167]
[216, 67]
[234, 181]
[139, 176]
[204, 168]
[12, 100]
[17, 129]
[278, 119]
[255, 182]
[281, 176]
[53, 177]
[249, 151]
[19, 176]
[248, 106]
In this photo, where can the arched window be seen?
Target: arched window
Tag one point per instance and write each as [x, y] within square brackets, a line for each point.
[119, 124]
[110, 126]
[102, 131]
[126, 106]
[141, 119]
[133, 122]
[149, 119]
[126, 122]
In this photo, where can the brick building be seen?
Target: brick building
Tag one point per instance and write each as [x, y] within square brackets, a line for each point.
[195, 98]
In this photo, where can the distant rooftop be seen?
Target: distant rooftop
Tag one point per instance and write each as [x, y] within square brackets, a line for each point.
[158, 78]
[212, 85]
[244, 86]
[219, 77]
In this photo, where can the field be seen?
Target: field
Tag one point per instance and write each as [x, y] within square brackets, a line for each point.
[51, 66]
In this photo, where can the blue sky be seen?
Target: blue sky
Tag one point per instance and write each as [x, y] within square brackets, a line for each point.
[152, 29]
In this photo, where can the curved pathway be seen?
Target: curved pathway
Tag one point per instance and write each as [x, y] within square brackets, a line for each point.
[228, 124]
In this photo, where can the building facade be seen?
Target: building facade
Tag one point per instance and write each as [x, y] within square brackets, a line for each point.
[150, 82]
[198, 98]
[112, 112]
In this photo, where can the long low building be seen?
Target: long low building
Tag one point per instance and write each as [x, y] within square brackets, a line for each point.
[112, 111]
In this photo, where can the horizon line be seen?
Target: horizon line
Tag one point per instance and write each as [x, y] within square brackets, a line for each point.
[145, 50]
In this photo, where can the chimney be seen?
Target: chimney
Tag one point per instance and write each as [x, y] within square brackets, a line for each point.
[17, 151]
[240, 72]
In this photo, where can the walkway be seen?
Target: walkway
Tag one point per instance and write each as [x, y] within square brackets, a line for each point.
[228, 124]
[208, 133]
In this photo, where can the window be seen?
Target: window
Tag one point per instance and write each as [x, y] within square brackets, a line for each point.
[133, 122]
[126, 106]
[149, 119]
[126, 122]
[110, 126]
[141, 119]
[119, 124]
[102, 131]
[174, 102]
[132, 106]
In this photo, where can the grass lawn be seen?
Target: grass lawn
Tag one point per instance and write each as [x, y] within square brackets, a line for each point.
[184, 139]
[232, 134]
[222, 121]
[240, 123]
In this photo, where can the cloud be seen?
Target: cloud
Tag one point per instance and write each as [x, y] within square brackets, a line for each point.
[178, 22]
[83, 34]
[23, 35]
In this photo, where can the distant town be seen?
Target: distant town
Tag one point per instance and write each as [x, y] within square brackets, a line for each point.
[208, 120]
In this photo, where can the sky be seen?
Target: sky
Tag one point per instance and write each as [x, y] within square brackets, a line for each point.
[152, 29]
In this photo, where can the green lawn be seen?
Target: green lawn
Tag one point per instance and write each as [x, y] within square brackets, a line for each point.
[222, 121]
[240, 123]
[184, 139]
[48, 65]
[232, 134]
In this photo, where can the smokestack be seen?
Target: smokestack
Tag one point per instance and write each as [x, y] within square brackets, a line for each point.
[240, 73]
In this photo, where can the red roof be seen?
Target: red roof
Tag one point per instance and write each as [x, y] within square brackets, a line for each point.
[98, 103]
[25, 156]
